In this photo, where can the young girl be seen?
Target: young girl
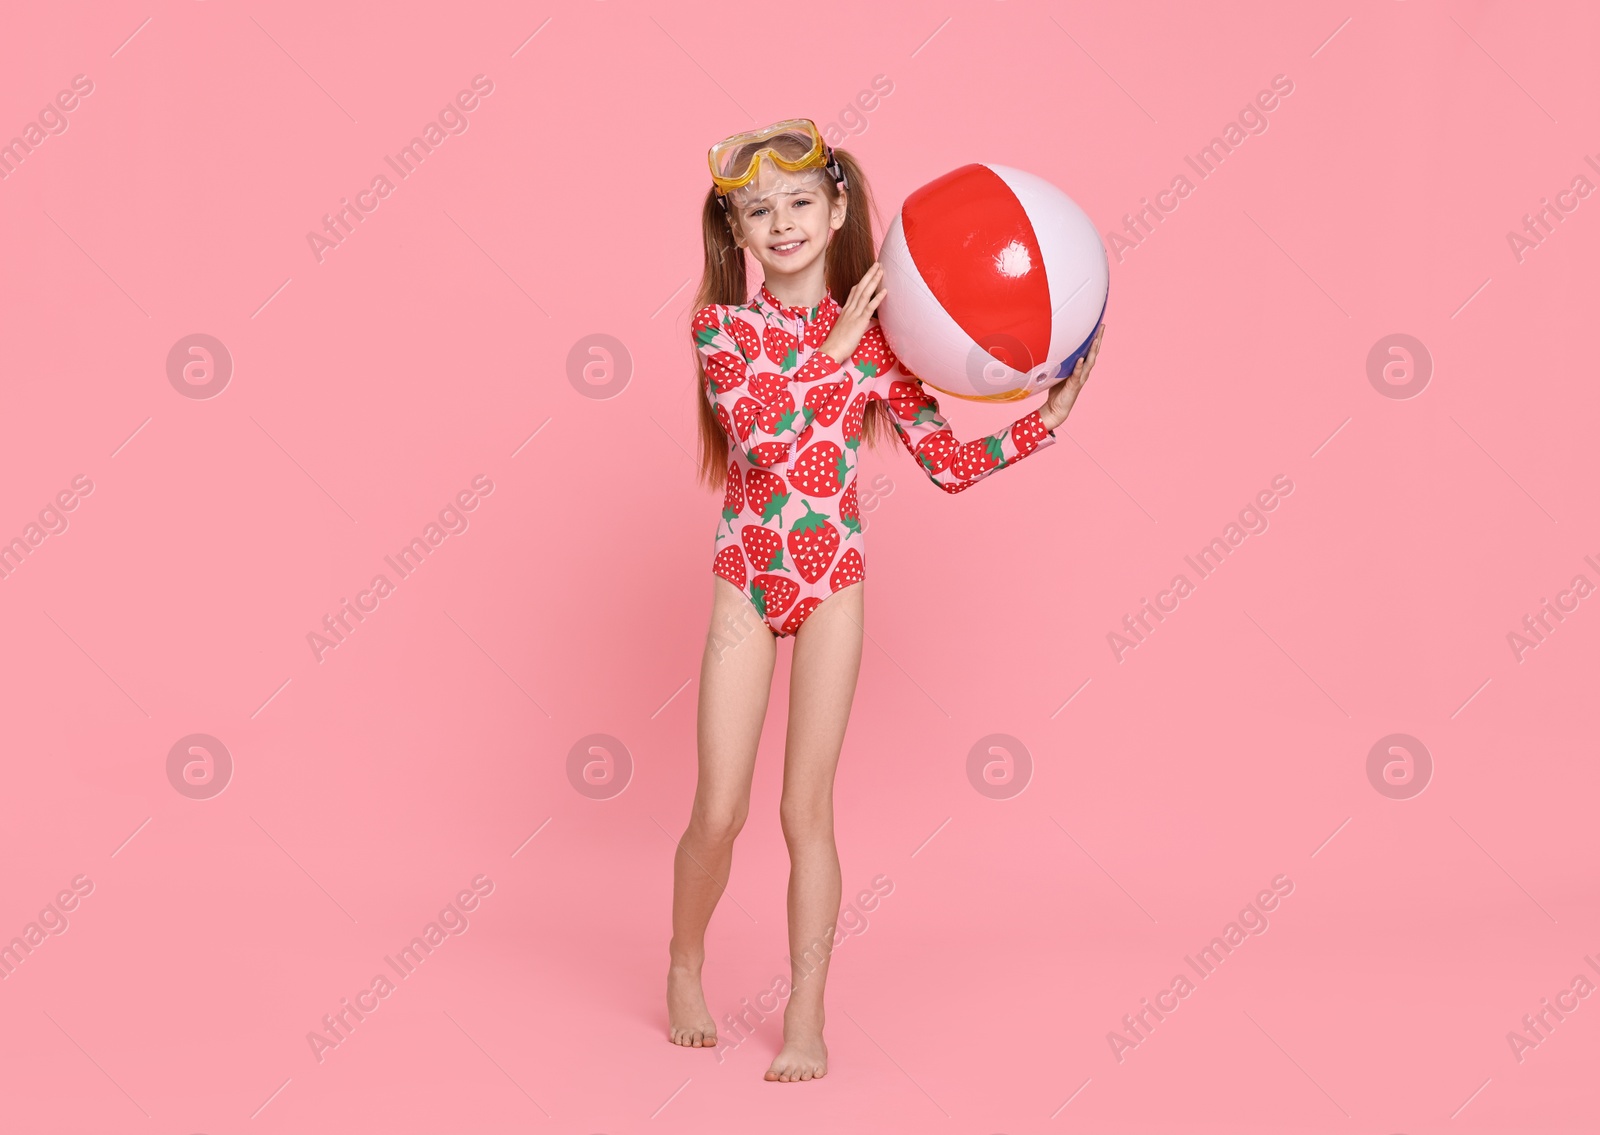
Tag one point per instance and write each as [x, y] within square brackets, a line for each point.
[795, 380]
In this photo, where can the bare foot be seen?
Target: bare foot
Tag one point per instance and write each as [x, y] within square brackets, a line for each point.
[803, 1056]
[689, 1020]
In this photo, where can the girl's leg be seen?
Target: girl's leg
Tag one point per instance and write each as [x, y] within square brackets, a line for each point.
[827, 659]
[735, 681]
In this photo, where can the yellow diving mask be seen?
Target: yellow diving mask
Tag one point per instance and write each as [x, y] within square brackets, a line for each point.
[792, 145]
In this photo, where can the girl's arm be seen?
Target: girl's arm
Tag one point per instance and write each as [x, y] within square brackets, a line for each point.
[914, 413]
[750, 413]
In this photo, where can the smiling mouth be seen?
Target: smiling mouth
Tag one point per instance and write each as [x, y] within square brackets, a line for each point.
[787, 247]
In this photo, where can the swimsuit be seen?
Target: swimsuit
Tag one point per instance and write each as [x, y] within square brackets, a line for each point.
[791, 524]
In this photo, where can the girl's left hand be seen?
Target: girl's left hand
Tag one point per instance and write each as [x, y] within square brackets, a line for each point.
[1064, 393]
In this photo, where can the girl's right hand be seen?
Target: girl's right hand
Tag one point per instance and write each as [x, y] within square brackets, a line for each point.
[855, 316]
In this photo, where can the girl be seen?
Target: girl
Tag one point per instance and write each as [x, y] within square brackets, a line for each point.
[795, 380]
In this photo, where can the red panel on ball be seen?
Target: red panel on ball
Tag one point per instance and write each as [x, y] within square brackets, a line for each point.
[974, 245]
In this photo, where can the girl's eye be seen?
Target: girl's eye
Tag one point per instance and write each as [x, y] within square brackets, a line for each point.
[760, 209]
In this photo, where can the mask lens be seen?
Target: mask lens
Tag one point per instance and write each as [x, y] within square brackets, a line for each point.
[733, 157]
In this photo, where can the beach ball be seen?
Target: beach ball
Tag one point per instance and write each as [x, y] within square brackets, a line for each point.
[996, 283]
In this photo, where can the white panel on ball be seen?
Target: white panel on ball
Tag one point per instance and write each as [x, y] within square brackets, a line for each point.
[1075, 262]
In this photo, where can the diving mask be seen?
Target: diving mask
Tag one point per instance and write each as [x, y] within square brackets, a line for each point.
[792, 146]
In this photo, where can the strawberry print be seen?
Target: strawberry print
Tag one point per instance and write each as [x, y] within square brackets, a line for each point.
[730, 565]
[802, 611]
[1028, 434]
[744, 412]
[819, 470]
[782, 347]
[850, 569]
[910, 402]
[812, 543]
[826, 401]
[935, 452]
[746, 336]
[767, 494]
[733, 499]
[816, 330]
[773, 594]
[976, 458]
[781, 416]
[769, 453]
[768, 387]
[706, 325]
[853, 418]
[850, 511]
[873, 356]
[724, 371]
[764, 546]
[793, 418]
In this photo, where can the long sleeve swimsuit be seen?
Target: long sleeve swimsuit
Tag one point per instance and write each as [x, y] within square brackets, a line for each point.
[791, 533]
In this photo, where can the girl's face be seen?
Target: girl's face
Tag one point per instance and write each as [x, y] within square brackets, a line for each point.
[785, 220]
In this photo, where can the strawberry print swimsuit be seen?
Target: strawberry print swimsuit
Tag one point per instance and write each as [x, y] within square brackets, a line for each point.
[791, 533]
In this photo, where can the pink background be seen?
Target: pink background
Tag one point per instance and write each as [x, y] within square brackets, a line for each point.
[370, 388]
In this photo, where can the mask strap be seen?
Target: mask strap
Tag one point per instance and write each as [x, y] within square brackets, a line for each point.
[835, 171]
